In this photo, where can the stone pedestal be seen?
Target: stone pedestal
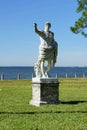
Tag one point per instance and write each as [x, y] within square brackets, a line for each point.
[45, 91]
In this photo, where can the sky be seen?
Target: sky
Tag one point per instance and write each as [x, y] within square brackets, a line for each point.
[19, 44]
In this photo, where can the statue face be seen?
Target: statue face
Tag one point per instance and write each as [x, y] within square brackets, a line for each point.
[47, 26]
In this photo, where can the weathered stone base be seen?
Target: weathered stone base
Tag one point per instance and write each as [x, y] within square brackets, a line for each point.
[45, 91]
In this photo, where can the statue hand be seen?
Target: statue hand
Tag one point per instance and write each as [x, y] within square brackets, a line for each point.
[35, 25]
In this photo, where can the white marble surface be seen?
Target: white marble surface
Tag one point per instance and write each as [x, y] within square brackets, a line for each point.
[45, 80]
[48, 51]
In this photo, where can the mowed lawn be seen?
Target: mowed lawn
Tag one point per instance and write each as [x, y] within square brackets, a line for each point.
[17, 114]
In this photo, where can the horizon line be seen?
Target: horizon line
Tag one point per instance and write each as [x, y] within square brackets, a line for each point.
[33, 66]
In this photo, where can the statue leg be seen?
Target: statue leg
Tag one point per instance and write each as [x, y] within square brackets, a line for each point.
[42, 69]
[48, 68]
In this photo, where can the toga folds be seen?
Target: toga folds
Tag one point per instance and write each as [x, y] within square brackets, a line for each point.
[48, 47]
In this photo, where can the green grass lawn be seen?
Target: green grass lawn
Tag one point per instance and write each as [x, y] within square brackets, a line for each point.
[17, 114]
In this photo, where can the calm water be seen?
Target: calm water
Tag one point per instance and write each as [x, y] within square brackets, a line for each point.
[26, 72]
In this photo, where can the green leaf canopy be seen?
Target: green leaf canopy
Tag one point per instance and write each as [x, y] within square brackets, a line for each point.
[81, 23]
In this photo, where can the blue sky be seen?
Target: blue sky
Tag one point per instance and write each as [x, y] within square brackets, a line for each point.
[18, 41]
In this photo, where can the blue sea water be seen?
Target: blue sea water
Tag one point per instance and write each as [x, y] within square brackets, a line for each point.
[26, 72]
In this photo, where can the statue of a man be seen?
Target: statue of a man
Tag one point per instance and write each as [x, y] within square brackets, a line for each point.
[47, 50]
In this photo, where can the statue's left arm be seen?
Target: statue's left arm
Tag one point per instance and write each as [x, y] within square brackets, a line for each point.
[55, 52]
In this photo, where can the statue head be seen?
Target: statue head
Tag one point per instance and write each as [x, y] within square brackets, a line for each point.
[47, 26]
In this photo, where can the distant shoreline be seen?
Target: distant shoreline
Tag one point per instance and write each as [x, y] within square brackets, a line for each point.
[54, 67]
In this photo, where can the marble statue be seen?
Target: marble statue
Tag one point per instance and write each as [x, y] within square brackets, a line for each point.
[48, 50]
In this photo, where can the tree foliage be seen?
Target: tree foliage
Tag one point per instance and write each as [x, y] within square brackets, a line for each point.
[81, 23]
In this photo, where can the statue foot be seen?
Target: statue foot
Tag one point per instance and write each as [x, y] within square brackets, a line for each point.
[46, 75]
[43, 76]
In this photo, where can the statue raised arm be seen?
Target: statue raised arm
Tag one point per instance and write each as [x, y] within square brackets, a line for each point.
[40, 33]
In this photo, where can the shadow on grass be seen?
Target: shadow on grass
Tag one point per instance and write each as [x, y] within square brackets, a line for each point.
[72, 102]
[44, 112]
